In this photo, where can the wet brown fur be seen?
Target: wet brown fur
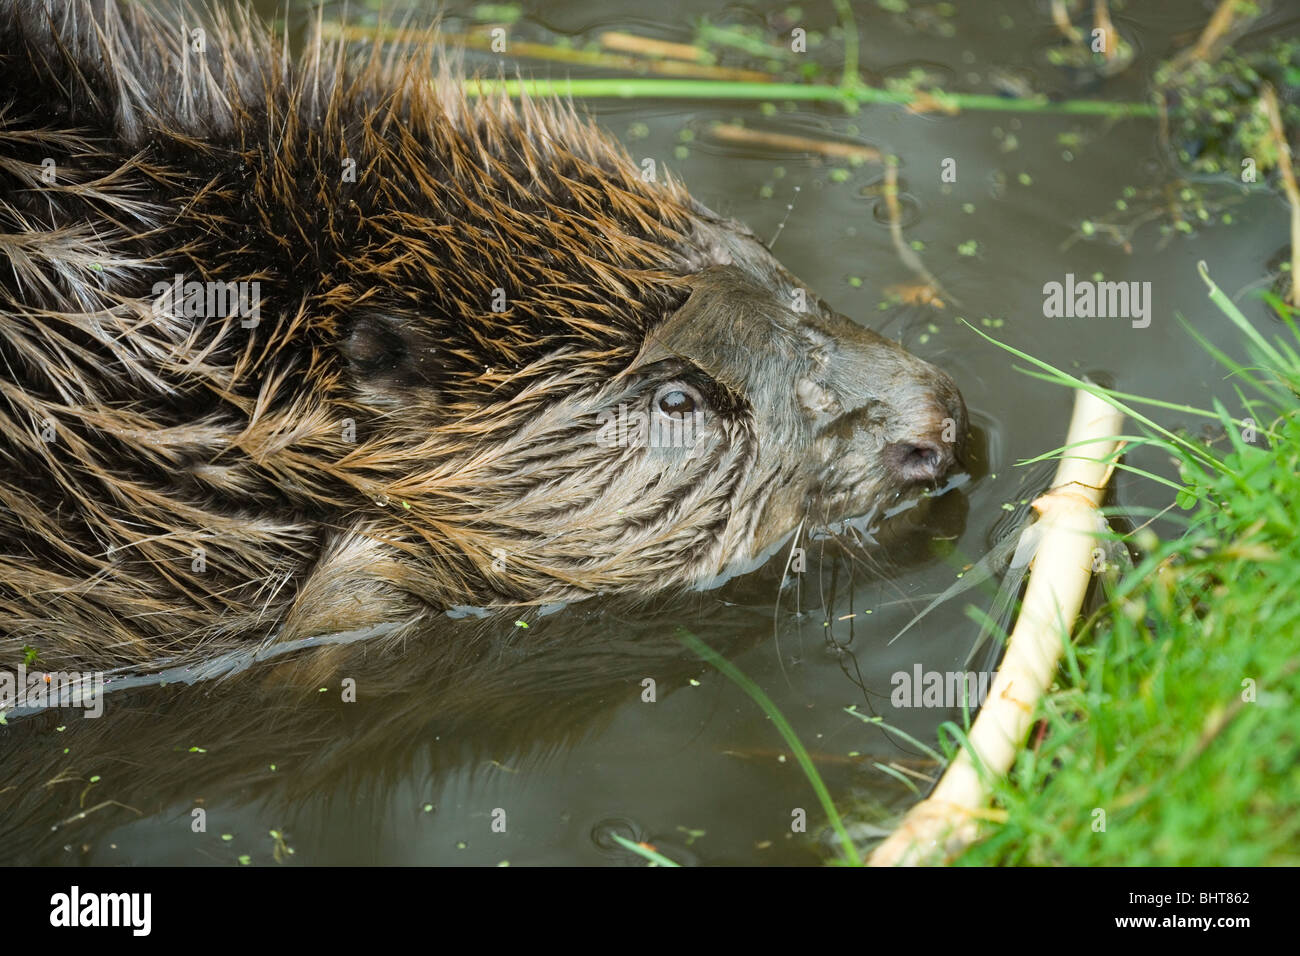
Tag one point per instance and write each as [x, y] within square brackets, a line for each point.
[472, 478]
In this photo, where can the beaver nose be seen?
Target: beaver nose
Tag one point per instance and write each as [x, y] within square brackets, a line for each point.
[932, 450]
[921, 459]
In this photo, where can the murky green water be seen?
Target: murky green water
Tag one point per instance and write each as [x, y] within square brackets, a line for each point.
[544, 733]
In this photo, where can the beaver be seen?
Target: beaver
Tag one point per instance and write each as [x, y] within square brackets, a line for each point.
[300, 345]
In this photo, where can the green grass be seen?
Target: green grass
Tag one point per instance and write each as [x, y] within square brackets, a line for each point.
[1175, 723]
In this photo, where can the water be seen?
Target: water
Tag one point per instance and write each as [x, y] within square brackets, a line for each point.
[486, 742]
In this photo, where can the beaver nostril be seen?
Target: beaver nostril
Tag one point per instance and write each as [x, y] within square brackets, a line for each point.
[920, 460]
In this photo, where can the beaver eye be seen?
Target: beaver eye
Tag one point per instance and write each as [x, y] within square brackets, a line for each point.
[677, 400]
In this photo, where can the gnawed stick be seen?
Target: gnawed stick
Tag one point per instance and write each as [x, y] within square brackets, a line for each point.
[940, 826]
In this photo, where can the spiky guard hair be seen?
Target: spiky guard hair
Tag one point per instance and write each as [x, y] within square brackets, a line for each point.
[138, 446]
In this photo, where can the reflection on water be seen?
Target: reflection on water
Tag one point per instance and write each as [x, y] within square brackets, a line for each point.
[468, 705]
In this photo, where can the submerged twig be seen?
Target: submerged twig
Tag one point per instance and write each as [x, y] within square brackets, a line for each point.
[645, 46]
[1268, 100]
[1101, 20]
[734, 133]
[905, 252]
[1226, 16]
[1061, 18]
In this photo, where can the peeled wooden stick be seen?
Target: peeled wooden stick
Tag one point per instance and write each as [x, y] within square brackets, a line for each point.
[940, 826]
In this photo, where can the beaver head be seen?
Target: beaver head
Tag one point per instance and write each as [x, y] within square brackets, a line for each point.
[747, 408]
[486, 360]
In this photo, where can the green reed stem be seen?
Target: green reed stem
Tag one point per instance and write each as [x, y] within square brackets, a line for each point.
[849, 95]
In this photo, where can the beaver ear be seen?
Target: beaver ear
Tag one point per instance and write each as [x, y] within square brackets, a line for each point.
[654, 350]
[392, 352]
[682, 334]
[665, 340]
